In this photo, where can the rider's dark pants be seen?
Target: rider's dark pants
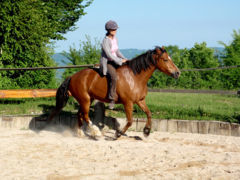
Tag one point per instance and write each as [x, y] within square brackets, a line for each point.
[112, 78]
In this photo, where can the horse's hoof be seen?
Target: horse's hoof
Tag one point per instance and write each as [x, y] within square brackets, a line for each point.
[146, 131]
[94, 131]
[118, 134]
[80, 133]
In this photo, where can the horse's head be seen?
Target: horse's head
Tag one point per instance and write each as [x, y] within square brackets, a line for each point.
[165, 63]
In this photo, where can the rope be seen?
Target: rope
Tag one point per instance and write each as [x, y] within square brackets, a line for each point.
[42, 68]
[96, 65]
[209, 69]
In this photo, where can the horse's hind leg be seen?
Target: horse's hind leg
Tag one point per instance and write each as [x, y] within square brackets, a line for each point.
[85, 106]
[79, 123]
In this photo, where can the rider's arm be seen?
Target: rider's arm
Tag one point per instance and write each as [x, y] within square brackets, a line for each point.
[119, 54]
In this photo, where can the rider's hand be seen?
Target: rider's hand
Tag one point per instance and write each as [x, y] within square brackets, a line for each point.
[124, 60]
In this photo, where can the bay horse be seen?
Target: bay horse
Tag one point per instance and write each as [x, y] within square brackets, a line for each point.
[87, 85]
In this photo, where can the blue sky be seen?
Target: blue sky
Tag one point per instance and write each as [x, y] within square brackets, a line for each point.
[147, 23]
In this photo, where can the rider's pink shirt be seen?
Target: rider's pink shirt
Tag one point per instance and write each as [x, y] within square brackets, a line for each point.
[114, 47]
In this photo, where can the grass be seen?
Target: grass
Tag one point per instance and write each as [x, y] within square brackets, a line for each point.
[162, 106]
[30, 106]
[189, 107]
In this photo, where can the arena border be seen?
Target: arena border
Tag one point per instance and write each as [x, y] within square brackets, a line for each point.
[26, 122]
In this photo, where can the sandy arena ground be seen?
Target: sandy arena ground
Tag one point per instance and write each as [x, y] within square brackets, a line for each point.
[25, 154]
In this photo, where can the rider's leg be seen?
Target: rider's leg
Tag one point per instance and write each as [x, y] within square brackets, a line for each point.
[112, 84]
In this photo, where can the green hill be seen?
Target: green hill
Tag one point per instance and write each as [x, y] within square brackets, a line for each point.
[131, 53]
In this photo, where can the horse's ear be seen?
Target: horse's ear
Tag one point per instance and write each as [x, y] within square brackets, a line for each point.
[158, 50]
[163, 48]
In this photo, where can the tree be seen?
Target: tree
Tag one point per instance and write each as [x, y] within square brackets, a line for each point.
[89, 52]
[27, 27]
[203, 57]
[230, 58]
[185, 80]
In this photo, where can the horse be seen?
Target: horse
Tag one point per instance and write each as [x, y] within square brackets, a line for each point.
[88, 84]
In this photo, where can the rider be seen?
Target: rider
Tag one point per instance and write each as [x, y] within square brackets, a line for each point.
[111, 57]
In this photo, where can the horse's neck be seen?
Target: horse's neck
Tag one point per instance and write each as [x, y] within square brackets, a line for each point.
[144, 76]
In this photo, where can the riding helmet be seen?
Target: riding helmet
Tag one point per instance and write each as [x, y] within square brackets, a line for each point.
[111, 25]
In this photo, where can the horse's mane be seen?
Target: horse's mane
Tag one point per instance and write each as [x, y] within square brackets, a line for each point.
[143, 61]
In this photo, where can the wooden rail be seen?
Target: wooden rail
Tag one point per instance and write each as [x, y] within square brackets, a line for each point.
[27, 93]
[38, 93]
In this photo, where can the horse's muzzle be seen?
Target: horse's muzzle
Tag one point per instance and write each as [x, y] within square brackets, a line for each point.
[176, 74]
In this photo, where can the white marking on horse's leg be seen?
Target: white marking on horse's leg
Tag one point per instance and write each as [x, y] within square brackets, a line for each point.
[80, 132]
[94, 130]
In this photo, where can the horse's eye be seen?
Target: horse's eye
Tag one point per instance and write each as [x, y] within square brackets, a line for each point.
[165, 60]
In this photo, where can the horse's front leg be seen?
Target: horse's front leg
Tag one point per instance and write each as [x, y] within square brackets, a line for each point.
[143, 106]
[128, 110]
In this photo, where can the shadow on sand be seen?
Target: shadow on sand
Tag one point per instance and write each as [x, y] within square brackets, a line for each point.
[67, 121]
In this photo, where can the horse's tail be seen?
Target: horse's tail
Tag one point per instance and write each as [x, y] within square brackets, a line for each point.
[62, 97]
